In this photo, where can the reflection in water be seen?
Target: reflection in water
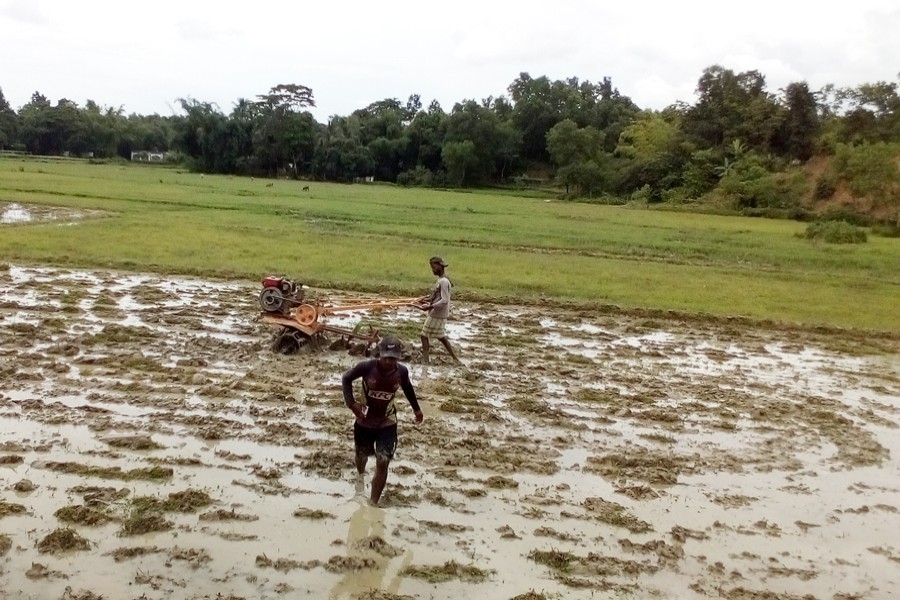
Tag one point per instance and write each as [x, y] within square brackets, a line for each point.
[367, 522]
[14, 213]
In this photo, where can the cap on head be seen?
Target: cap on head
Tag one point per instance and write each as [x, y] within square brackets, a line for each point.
[389, 347]
[437, 260]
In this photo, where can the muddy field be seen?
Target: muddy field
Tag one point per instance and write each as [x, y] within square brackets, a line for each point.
[152, 446]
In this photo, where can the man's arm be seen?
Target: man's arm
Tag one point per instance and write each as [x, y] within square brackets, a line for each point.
[410, 393]
[347, 380]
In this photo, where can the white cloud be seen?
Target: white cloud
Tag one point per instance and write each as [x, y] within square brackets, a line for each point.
[353, 52]
[23, 11]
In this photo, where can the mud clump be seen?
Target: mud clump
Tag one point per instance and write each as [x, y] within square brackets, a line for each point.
[615, 514]
[7, 508]
[379, 595]
[192, 556]
[140, 522]
[148, 474]
[61, 541]
[499, 482]
[326, 463]
[99, 496]
[39, 571]
[11, 459]
[68, 594]
[530, 595]
[5, 544]
[82, 515]
[25, 486]
[349, 564]
[379, 545]
[308, 513]
[446, 572]
[120, 554]
[187, 501]
[559, 561]
[133, 442]
[226, 515]
[643, 465]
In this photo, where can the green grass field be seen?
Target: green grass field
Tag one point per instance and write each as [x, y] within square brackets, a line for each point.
[379, 238]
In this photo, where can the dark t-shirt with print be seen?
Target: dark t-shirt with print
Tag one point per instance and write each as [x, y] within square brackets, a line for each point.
[379, 389]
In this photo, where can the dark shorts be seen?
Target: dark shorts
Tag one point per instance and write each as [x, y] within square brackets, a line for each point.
[380, 442]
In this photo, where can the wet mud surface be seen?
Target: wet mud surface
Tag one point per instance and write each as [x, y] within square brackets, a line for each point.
[152, 446]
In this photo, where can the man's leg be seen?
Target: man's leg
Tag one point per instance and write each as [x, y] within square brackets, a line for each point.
[425, 349]
[449, 348]
[380, 478]
[364, 444]
[385, 446]
[361, 460]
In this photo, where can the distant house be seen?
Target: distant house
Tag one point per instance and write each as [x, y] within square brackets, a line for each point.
[148, 156]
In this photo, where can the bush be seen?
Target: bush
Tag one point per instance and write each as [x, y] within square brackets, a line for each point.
[888, 230]
[870, 170]
[846, 214]
[419, 176]
[826, 186]
[748, 184]
[835, 232]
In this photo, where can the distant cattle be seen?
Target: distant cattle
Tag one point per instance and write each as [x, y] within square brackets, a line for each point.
[270, 184]
[305, 188]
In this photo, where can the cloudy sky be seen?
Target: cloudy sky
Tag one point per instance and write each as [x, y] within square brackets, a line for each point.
[144, 55]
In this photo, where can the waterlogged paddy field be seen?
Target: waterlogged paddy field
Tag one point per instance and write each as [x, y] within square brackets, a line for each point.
[152, 446]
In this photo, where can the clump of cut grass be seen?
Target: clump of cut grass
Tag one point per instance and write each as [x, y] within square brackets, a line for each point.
[308, 513]
[448, 571]
[144, 517]
[150, 474]
[133, 442]
[658, 437]
[8, 508]
[555, 559]
[82, 515]
[531, 595]
[62, 540]
[187, 501]
[226, 515]
[120, 554]
[499, 482]
[615, 514]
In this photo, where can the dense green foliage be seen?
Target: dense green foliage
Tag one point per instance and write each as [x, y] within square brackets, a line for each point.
[587, 136]
[378, 238]
[835, 232]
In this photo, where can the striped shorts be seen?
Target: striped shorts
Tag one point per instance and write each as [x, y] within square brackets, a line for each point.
[433, 327]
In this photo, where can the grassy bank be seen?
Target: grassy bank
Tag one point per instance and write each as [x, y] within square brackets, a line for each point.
[380, 237]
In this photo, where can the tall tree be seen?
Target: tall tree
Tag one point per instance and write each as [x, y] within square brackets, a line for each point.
[733, 106]
[284, 138]
[800, 125]
[8, 122]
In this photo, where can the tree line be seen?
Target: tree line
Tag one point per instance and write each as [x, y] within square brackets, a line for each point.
[736, 141]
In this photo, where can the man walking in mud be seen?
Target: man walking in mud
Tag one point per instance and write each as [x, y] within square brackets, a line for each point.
[375, 429]
[437, 305]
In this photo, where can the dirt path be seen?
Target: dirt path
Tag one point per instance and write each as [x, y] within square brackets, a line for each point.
[152, 446]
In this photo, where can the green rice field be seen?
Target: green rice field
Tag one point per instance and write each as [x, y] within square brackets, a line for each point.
[378, 238]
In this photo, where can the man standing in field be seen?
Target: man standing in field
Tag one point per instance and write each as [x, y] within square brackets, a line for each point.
[375, 429]
[437, 305]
